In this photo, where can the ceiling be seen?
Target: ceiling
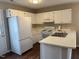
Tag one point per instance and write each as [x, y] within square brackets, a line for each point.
[43, 4]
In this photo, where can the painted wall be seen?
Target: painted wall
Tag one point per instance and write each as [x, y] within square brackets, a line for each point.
[75, 15]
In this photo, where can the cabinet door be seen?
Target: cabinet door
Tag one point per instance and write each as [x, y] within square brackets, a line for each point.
[19, 13]
[3, 46]
[51, 16]
[3, 43]
[63, 16]
[33, 19]
[57, 17]
[44, 17]
[67, 16]
[28, 14]
[39, 18]
[48, 16]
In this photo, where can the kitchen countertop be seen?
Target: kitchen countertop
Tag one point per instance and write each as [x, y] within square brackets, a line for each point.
[68, 42]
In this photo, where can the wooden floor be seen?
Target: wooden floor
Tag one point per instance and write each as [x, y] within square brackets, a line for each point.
[75, 54]
[35, 54]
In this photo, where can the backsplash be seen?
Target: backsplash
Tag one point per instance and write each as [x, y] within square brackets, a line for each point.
[69, 26]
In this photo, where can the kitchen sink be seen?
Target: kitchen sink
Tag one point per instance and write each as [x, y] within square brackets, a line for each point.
[60, 34]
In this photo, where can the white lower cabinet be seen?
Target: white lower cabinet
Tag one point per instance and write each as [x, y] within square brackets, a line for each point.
[3, 46]
[3, 42]
[48, 51]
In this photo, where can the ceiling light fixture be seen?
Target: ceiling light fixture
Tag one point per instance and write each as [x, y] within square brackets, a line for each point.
[35, 1]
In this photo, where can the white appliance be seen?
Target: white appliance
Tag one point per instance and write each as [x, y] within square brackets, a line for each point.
[47, 31]
[3, 42]
[20, 34]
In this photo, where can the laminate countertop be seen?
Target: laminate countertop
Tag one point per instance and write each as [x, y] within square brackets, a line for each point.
[67, 42]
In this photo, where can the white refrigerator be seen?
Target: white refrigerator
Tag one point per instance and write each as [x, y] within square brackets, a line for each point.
[20, 34]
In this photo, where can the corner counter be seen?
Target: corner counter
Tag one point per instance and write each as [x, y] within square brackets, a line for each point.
[58, 47]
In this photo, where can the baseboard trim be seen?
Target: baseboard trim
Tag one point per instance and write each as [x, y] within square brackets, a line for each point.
[5, 52]
[8, 51]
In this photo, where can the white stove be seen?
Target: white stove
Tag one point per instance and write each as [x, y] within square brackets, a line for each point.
[47, 31]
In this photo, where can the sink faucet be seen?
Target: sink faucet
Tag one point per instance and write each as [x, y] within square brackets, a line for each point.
[59, 27]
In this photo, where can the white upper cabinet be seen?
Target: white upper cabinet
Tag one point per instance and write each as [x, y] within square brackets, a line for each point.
[34, 21]
[32, 15]
[58, 17]
[28, 14]
[44, 17]
[39, 18]
[48, 16]
[63, 16]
